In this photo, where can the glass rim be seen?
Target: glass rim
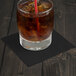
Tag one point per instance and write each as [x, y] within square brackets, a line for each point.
[26, 12]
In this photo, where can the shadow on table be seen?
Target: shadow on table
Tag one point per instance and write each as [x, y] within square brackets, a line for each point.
[59, 44]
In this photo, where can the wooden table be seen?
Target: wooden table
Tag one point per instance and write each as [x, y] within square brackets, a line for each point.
[65, 24]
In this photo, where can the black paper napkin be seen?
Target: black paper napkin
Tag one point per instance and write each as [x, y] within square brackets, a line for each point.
[58, 45]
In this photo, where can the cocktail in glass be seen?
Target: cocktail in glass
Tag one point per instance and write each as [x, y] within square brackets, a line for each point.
[35, 30]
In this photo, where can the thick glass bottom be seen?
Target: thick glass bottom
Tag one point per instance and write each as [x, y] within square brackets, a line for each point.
[35, 45]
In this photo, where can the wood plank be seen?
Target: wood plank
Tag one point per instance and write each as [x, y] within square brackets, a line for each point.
[65, 17]
[73, 62]
[68, 63]
[70, 1]
[61, 65]
[70, 22]
[59, 18]
[5, 15]
[51, 67]
[9, 65]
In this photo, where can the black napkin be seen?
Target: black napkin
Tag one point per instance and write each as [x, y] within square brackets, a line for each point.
[58, 45]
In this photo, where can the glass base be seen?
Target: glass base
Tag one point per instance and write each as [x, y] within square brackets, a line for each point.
[35, 45]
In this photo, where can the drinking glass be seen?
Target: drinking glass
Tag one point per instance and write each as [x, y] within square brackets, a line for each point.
[35, 30]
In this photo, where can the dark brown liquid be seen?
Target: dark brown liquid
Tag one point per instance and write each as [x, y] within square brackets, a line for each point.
[32, 27]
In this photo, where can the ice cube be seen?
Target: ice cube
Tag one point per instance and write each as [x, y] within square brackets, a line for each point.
[31, 4]
[45, 5]
[40, 8]
[29, 7]
[25, 8]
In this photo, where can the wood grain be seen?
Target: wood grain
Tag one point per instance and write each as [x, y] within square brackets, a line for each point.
[70, 23]
[5, 16]
[59, 17]
[61, 65]
[9, 63]
[65, 17]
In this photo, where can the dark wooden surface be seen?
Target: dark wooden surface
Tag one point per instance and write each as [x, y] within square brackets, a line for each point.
[65, 24]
